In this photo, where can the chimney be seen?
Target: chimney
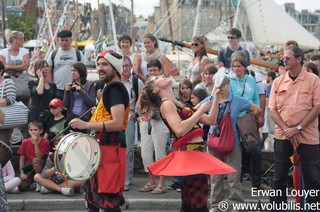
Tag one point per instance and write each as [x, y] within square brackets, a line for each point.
[290, 5]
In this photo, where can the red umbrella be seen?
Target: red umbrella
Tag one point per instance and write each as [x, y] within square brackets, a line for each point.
[298, 182]
[183, 163]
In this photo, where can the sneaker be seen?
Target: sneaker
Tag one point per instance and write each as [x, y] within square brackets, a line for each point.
[67, 191]
[38, 187]
[178, 189]
[173, 186]
[246, 176]
[45, 190]
[15, 190]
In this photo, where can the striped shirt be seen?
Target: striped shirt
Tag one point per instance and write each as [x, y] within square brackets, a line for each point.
[8, 91]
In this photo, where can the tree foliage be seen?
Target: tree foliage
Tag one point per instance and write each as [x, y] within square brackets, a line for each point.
[20, 24]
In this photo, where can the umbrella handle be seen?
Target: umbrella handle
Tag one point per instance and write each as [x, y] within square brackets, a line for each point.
[294, 147]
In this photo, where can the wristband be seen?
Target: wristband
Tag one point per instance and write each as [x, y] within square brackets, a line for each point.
[22, 174]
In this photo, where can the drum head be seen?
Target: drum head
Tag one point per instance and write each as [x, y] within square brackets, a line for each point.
[79, 156]
[59, 155]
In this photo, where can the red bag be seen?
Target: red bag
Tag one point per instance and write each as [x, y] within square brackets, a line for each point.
[223, 144]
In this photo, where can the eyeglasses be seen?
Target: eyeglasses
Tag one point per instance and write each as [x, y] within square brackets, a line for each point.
[232, 37]
[195, 44]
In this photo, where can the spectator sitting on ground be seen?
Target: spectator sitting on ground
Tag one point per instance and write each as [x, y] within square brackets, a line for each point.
[51, 181]
[56, 123]
[11, 182]
[33, 153]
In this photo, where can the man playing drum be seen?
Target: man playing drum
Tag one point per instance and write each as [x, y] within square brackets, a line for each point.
[103, 191]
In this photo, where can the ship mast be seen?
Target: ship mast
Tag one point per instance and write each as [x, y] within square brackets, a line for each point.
[132, 25]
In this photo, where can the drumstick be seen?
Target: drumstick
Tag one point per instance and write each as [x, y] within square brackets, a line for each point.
[68, 127]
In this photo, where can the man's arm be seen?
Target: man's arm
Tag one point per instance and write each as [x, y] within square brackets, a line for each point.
[277, 119]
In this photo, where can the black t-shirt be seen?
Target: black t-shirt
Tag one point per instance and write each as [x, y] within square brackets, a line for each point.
[115, 97]
[54, 127]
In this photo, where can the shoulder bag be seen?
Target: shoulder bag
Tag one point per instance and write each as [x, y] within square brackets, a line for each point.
[248, 127]
[16, 114]
[223, 142]
[249, 131]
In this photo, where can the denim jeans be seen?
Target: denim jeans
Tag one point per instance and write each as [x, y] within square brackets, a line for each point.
[310, 159]
[130, 138]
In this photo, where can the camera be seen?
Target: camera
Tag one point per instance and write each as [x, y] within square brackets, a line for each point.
[73, 86]
[216, 130]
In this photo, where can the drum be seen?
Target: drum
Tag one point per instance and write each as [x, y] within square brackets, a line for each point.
[5, 153]
[77, 156]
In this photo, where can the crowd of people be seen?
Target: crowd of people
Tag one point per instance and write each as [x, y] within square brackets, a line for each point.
[133, 103]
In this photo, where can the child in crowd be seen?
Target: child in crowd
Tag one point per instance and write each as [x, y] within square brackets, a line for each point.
[56, 123]
[198, 95]
[11, 182]
[33, 154]
[207, 78]
[50, 180]
[185, 89]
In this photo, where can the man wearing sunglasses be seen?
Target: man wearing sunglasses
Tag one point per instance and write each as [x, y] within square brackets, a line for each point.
[224, 56]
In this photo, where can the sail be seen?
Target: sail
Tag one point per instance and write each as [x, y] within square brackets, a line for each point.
[271, 25]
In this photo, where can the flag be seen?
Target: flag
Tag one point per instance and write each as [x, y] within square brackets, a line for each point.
[98, 43]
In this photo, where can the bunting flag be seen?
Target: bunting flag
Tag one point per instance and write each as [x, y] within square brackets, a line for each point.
[98, 43]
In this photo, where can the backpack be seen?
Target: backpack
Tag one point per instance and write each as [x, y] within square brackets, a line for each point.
[54, 53]
[225, 50]
[135, 86]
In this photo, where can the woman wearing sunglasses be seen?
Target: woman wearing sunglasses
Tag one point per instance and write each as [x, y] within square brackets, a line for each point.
[199, 60]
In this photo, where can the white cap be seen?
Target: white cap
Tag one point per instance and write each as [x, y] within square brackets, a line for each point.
[221, 78]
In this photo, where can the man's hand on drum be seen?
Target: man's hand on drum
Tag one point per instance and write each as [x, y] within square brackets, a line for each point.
[78, 124]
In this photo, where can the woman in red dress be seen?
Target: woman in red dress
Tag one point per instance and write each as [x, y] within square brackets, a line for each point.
[183, 123]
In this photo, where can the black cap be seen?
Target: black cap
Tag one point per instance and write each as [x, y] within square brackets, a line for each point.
[64, 34]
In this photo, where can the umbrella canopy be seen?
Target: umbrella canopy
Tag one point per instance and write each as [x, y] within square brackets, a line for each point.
[298, 181]
[183, 163]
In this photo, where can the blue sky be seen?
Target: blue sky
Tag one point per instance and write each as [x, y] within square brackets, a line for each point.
[145, 7]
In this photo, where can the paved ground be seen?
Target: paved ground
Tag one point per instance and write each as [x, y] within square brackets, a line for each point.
[135, 200]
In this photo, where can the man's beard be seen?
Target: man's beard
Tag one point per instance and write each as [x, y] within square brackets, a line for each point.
[110, 77]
